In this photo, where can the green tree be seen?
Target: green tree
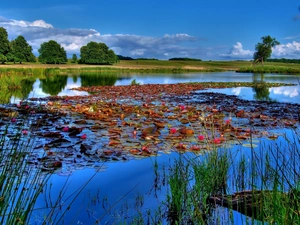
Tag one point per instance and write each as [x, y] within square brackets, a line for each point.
[4, 45]
[3, 58]
[264, 49]
[74, 58]
[52, 53]
[97, 53]
[21, 51]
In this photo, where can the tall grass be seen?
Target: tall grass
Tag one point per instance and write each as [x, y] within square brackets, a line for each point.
[249, 185]
[18, 82]
[192, 181]
[22, 72]
[267, 180]
[20, 182]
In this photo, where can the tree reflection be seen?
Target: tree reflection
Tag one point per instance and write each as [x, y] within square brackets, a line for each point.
[15, 87]
[53, 85]
[258, 78]
[261, 90]
[26, 88]
[88, 80]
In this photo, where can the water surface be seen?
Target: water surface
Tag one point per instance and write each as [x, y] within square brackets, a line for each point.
[121, 183]
[61, 85]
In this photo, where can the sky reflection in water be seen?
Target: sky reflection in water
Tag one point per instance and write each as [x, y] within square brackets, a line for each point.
[280, 94]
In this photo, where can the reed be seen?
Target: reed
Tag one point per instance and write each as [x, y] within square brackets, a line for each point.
[20, 182]
[255, 185]
[266, 180]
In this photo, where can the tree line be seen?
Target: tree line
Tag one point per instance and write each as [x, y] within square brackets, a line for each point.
[51, 52]
[184, 59]
[284, 60]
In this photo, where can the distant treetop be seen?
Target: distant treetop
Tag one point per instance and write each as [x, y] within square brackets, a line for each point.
[120, 57]
[184, 59]
[283, 60]
[146, 59]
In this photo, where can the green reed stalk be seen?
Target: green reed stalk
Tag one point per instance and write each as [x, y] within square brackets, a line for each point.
[20, 183]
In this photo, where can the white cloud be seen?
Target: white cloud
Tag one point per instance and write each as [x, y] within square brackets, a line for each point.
[138, 52]
[292, 37]
[39, 31]
[22, 23]
[71, 47]
[40, 23]
[289, 50]
[237, 52]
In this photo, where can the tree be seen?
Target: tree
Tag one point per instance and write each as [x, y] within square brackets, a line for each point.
[264, 49]
[74, 58]
[97, 53]
[4, 45]
[52, 53]
[21, 51]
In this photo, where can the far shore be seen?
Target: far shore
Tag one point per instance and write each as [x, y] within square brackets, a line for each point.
[171, 66]
[120, 65]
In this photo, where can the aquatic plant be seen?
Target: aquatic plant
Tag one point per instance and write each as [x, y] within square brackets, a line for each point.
[20, 183]
[134, 82]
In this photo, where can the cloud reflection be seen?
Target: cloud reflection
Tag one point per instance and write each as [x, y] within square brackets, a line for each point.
[286, 91]
[236, 91]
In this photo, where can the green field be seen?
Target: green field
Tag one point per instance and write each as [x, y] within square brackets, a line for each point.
[171, 66]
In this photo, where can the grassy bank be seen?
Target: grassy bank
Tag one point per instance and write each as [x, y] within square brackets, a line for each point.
[162, 66]
[283, 69]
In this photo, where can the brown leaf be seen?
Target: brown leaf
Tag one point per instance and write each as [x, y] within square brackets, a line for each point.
[113, 143]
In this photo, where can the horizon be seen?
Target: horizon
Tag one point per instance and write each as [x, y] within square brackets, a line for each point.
[215, 30]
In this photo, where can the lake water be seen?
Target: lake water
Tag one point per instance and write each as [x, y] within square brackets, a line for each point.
[53, 86]
[112, 193]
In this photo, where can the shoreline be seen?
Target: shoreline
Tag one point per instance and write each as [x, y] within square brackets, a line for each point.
[168, 66]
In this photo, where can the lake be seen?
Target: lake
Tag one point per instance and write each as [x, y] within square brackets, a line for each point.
[61, 86]
[119, 189]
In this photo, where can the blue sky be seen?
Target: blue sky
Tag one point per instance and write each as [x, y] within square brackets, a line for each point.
[205, 29]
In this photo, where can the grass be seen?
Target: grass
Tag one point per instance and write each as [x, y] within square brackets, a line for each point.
[271, 69]
[269, 175]
[255, 185]
[164, 66]
[20, 182]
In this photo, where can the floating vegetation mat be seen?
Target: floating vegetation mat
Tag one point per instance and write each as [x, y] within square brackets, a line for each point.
[120, 123]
